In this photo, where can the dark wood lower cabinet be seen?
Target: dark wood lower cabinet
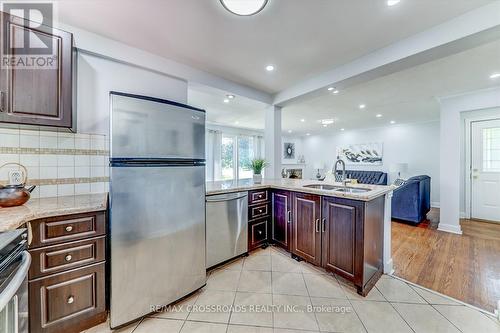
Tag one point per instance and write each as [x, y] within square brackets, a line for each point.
[69, 301]
[342, 229]
[258, 234]
[281, 226]
[306, 227]
[67, 277]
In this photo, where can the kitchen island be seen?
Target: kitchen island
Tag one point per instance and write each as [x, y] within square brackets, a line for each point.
[343, 229]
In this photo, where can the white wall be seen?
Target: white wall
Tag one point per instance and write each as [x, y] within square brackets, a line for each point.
[415, 144]
[452, 147]
[98, 76]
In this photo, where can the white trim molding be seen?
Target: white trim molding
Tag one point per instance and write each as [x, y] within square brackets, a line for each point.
[454, 229]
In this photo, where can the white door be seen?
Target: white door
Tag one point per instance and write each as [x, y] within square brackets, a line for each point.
[486, 170]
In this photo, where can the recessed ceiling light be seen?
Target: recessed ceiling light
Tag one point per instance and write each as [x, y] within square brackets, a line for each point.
[335, 91]
[308, 134]
[269, 68]
[244, 8]
[326, 122]
[362, 106]
[393, 122]
[495, 76]
[342, 129]
[226, 100]
[379, 116]
[289, 131]
[330, 88]
[230, 96]
[392, 2]
[302, 120]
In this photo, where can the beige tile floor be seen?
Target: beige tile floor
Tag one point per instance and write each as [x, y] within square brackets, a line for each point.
[271, 278]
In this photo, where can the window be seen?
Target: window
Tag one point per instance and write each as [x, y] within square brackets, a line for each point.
[491, 149]
[246, 153]
[229, 156]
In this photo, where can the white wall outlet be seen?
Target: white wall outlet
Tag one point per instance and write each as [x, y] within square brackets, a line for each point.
[15, 177]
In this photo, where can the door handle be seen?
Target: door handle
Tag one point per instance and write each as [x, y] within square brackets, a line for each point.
[317, 225]
[289, 218]
[323, 225]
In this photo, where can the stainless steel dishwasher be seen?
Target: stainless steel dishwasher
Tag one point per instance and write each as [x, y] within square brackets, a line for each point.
[227, 227]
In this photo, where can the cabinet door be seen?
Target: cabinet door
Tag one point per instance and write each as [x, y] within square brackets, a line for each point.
[306, 227]
[41, 93]
[342, 235]
[68, 302]
[282, 218]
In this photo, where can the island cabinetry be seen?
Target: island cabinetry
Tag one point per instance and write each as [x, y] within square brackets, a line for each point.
[281, 225]
[259, 217]
[306, 239]
[342, 228]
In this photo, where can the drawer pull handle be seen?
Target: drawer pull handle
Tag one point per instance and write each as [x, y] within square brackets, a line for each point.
[261, 210]
[260, 232]
[69, 228]
[70, 300]
[68, 257]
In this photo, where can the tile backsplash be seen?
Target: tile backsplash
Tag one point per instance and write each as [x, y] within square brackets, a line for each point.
[59, 163]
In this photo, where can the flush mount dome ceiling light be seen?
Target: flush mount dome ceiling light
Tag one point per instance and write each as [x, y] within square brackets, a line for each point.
[244, 7]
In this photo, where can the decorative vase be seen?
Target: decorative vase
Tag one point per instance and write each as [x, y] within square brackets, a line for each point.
[257, 179]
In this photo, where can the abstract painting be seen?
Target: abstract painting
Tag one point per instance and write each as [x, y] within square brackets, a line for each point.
[361, 154]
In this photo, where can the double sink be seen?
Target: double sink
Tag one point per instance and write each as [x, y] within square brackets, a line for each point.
[337, 188]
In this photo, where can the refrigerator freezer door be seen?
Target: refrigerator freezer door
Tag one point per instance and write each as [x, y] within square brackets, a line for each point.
[146, 129]
[157, 230]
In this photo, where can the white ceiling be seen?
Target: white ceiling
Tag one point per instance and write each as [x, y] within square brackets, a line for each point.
[406, 97]
[301, 38]
[240, 112]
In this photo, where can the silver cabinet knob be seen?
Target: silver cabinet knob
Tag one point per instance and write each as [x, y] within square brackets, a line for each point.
[260, 232]
[68, 257]
[70, 300]
[69, 228]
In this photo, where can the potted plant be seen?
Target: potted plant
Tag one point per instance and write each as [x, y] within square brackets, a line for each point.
[257, 165]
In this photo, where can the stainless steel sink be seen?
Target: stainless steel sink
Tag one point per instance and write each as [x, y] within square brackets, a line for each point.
[322, 187]
[352, 190]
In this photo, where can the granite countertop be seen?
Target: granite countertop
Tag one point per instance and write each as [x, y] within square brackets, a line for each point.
[14, 217]
[220, 187]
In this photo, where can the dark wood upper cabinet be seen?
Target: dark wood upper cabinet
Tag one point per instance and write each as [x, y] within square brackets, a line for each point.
[282, 218]
[39, 93]
[306, 235]
[342, 227]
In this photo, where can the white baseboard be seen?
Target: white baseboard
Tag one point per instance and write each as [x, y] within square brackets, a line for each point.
[388, 267]
[454, 229]
[435, 204]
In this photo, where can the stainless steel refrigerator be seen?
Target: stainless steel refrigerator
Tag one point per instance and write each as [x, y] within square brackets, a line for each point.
[156, 204]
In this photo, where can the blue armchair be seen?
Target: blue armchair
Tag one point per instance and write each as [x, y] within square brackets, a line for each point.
[412, 200]
[365, 177]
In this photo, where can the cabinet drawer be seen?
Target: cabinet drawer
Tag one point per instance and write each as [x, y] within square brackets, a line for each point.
[258, 211]
[69, 301]
[257, 233]
[55, 230]
[257, 196]
[58, 258]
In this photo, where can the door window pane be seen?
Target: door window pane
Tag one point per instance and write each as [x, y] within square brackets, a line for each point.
[245, 155]
[491, 149]
[227, 158]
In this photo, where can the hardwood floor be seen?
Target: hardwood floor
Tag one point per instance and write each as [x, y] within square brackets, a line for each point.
[464, 267]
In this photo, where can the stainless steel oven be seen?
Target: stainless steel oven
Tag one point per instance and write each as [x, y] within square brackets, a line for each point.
[14, 265]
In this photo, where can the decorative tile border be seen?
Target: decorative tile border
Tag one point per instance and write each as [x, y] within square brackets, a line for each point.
[52, 151]
[64, 181]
